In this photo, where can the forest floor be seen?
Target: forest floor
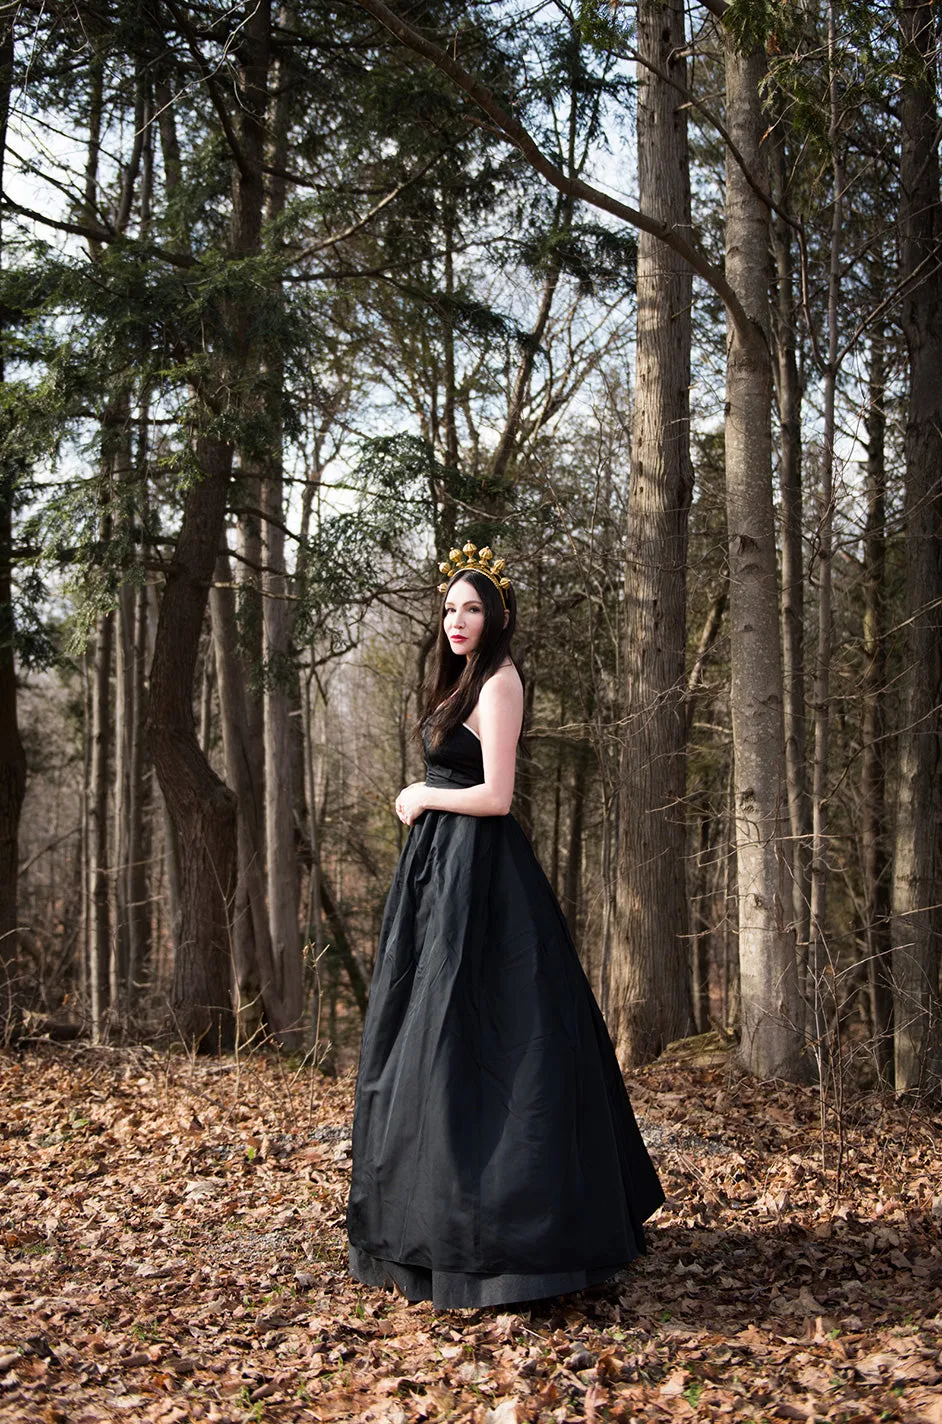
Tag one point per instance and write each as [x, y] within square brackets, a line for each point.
[173, 1249]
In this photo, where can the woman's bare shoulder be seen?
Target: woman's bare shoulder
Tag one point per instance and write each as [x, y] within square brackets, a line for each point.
[501, 695]
[505, 678]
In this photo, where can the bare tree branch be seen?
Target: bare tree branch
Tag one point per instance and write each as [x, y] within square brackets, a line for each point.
[209, 79]
[514, 132]
[94, 234]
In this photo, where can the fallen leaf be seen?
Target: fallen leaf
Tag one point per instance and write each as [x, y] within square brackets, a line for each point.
[503, 1413]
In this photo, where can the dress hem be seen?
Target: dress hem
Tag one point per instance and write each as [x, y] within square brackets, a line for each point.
[453, 1290]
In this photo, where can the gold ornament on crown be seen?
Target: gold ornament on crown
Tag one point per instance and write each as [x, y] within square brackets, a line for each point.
[479, 561]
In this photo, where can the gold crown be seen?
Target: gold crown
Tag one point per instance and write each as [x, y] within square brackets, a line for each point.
[485, 563]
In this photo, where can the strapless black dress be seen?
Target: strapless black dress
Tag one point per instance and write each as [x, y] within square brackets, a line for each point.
[496, 1157]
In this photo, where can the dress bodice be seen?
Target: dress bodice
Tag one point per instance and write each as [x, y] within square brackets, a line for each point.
[457, 762]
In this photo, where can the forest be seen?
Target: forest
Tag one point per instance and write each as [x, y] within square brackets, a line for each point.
[298, 298]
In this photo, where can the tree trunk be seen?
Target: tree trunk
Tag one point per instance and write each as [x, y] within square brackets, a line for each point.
[166, 930]
[449, 403]
[247, 213]
[557, 820]
[917, 871]
[283, 776]
[770, 1008]
[788, 389]
[139, 839]
[732, 992]
[201, 808]
[99, 887]
[820, 961]
[12, 755]
[207, 678]
[523, 794]
[255, 970]
[249, 579]
[166, 961]
[123, 738]
[12, 766]
[647, 993]
[280, 770]
[314, 915]
[700, 925]
[873, 803]
[573, 875]
[119, 437]
[84, 939]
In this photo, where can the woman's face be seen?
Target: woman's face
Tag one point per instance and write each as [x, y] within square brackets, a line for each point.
[464, 617]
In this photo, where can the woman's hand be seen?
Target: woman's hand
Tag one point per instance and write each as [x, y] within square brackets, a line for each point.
[410, 802]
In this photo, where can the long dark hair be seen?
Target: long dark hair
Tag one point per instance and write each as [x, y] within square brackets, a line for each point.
[464, 677]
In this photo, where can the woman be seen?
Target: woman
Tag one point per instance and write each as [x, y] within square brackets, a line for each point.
[496, 1157]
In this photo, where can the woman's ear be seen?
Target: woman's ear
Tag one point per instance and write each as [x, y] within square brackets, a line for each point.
[506, 616]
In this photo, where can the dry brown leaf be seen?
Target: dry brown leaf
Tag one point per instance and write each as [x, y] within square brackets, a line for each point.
[506, 1412]
[674, 1385]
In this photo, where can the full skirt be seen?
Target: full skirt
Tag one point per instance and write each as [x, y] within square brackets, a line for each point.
[496, 1156]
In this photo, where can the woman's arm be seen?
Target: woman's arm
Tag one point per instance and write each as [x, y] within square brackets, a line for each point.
[500, 714]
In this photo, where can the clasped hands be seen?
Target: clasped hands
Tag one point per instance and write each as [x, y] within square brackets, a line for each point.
[410, 803]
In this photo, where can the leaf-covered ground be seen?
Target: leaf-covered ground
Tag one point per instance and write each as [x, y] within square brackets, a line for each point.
[173, 1249]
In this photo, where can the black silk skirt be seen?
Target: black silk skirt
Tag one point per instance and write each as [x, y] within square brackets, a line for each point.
[496, 1157]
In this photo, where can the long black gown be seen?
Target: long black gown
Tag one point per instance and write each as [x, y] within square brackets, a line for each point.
[496, 1157]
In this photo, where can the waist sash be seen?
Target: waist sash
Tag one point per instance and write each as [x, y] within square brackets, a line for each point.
[450, 776]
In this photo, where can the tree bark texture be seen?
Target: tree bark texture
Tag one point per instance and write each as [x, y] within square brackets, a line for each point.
[139, 836]
[99, 879]
[572, 879]
[917, 871]
[201, 808]
[123, 738]
[12, 763]
[118, 436]
[249, 612]
[280, 769]
[770, 1007]
[12, 754]
[873, 797]
[700, 927]
[821, 966]
[169, 873]
[647, 993]
[789, 394]
[255, 971]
